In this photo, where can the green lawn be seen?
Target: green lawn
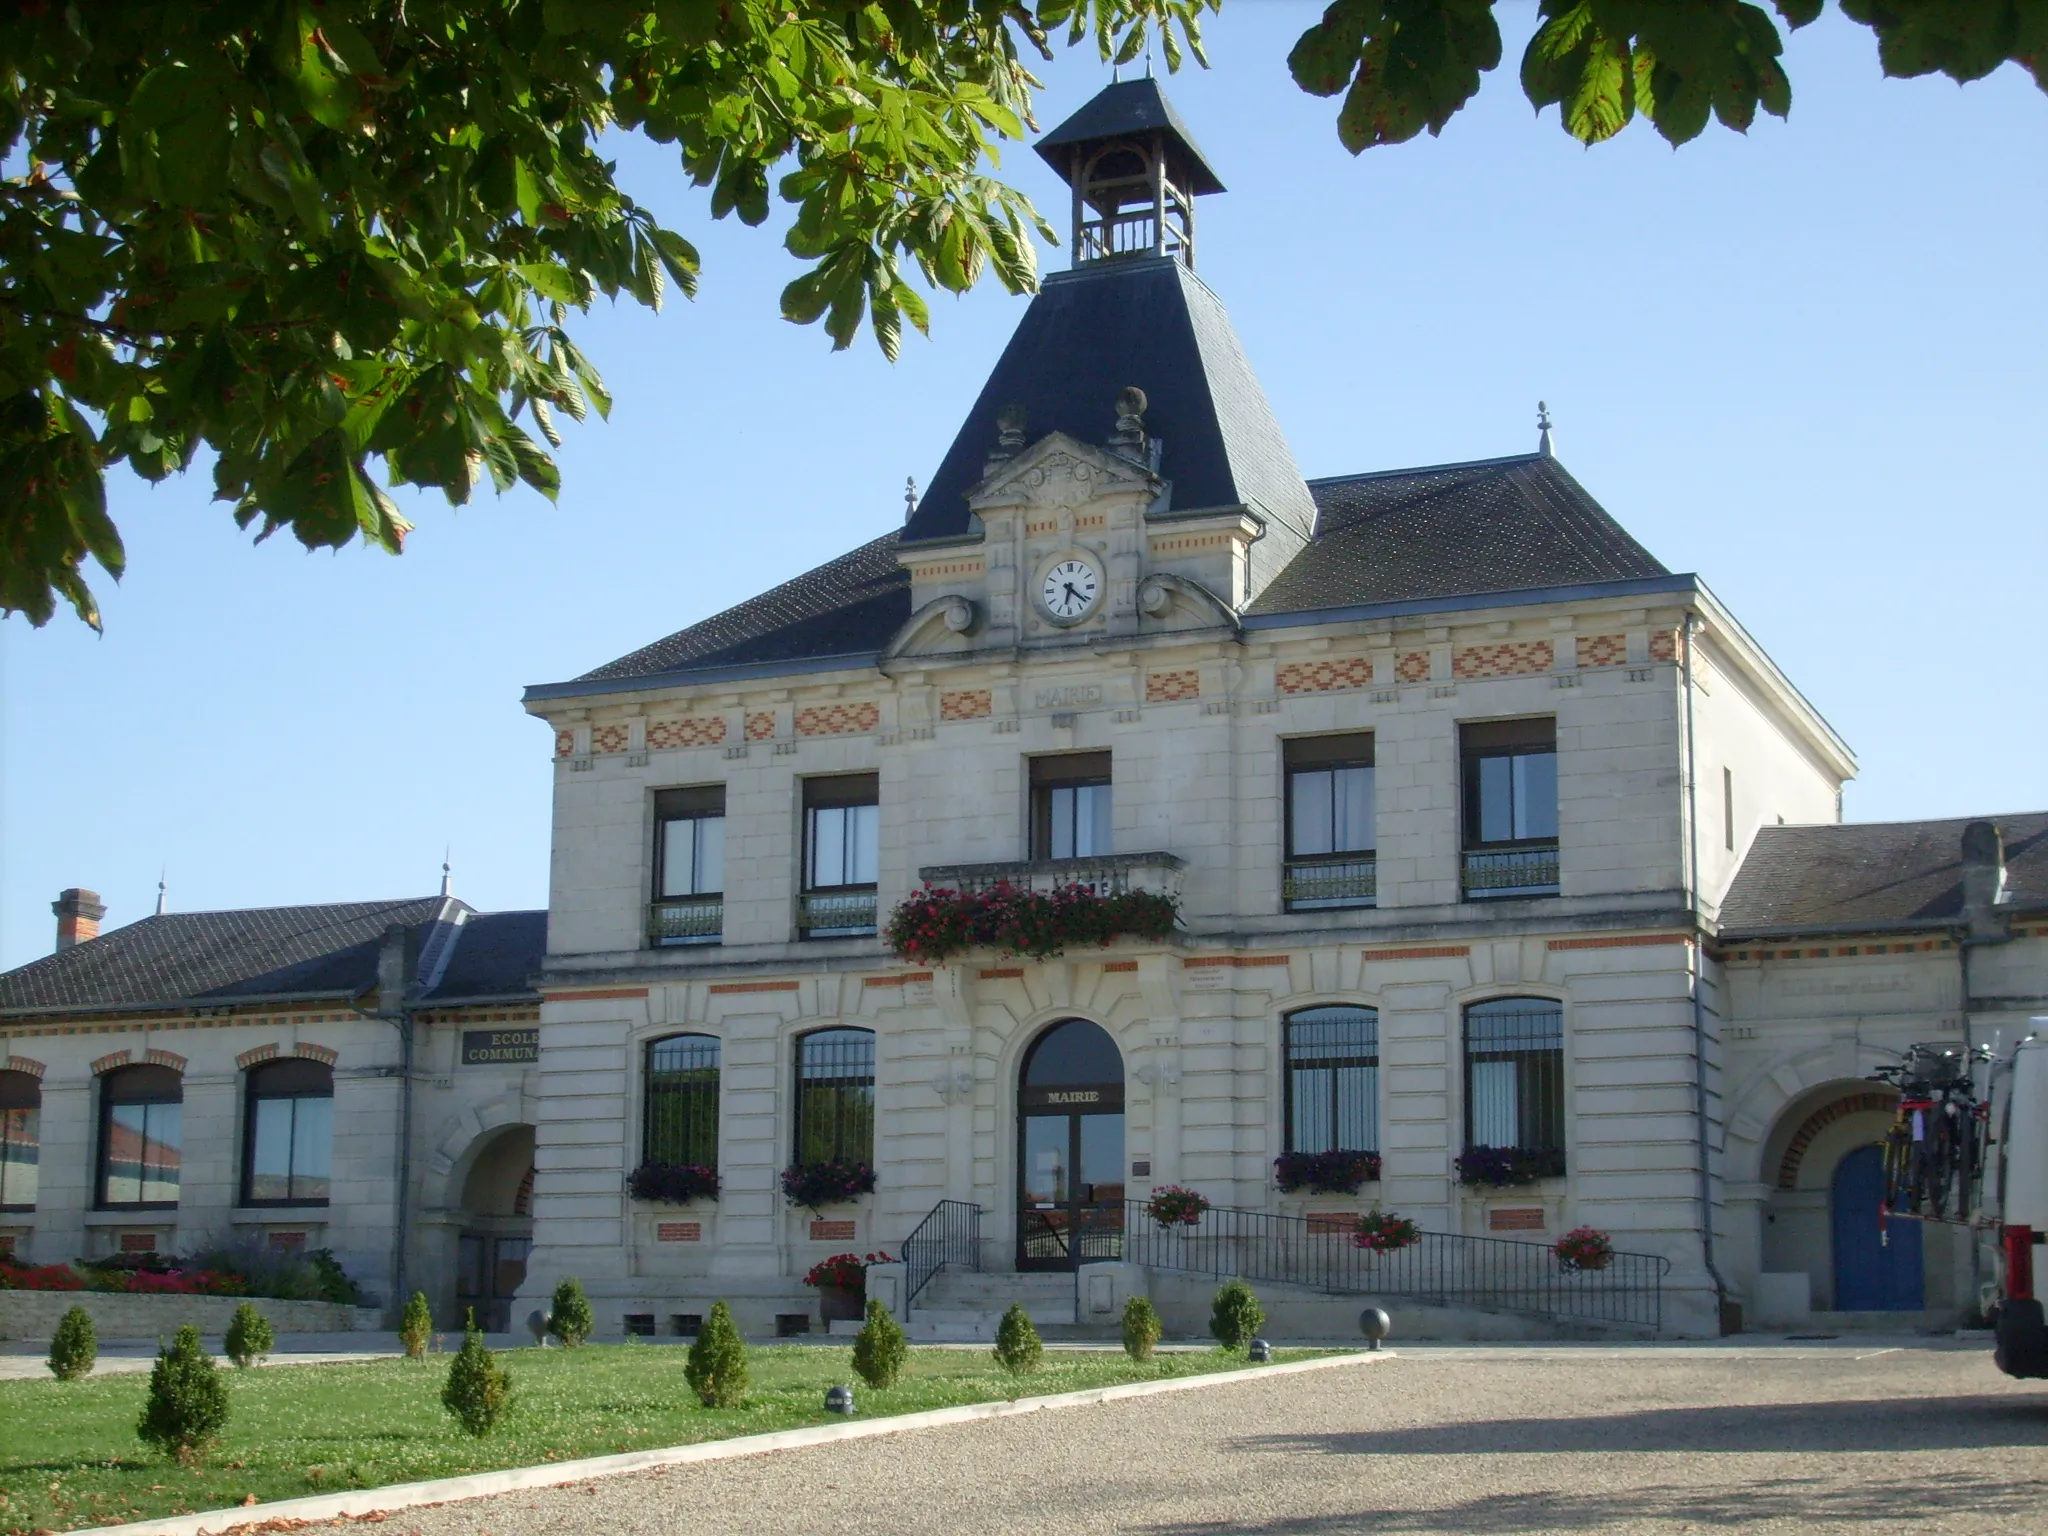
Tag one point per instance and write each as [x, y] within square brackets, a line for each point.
[69, 1456]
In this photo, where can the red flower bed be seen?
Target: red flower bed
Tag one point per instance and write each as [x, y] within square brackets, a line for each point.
[938, 923]
[38, 1277]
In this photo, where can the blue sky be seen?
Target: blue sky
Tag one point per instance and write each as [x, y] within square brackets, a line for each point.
[1806, 363]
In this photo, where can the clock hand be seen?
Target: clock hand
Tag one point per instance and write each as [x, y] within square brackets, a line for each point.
[1073, 594]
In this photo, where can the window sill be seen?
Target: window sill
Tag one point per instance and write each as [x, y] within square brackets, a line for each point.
[292, 1215]
[131, 1216]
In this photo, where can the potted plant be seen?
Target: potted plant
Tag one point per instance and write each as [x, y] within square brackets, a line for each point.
[831, 1181]
[842, 1285]
[1500, 1167]
[1384, 1232]
[1583, 1248]
[1171, 1206]
[1325, 1173]
[672, 1183]
[937, 923]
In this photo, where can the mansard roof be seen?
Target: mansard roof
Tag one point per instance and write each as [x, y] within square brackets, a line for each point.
[1857, 877]
[1091, 332]
[182, 959]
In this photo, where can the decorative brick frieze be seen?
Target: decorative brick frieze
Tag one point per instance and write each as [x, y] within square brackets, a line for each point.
[722, 988]
[1664, 645]
[111, 1060]
[832, 1231]
[1618, 941]
[602, 994]
[902, 979]
[255, 1056]
[679, 1231]
[1847, 951]
[1233, 962]
[34, 1069]
[606, 740]
[1119, 965]
[171, 1059]
[1172, 687]
[565, 743]
[760, 725]
[1421, 952]
[1004, 973]
[1819, 1120]
[1322, 676]
[1413, 667]
[312, 1052]
[1515, 1218]
[1602, 650]
[836, 719]
[1515, 658]
[967, 704]
[692, 731]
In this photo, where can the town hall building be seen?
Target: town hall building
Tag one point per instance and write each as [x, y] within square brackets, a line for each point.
[1505, 858]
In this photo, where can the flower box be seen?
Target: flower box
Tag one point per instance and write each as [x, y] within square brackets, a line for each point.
[1325, 1173]
[842, 1285]
[1502, 1167]
[672, 1183]
[939, 922]
[834, 1181]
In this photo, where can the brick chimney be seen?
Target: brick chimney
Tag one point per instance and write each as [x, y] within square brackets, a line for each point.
[78, 916]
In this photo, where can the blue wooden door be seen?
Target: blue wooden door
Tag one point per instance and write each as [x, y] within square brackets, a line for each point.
[1872, 1276]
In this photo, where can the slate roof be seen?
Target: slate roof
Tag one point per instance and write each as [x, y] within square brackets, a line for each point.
[1452, 530]
[1123, 108]
[187, 958]
[1863, 875]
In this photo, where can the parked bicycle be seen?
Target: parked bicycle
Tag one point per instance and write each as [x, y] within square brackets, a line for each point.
[1934, 1149]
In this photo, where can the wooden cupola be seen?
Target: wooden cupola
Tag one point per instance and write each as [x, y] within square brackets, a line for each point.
[1135, 174]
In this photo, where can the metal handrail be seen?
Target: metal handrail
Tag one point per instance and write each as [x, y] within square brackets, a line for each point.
[686, 919]
[1511, 871]
[949, 1235]
[1442, 1269]
[1311, 883]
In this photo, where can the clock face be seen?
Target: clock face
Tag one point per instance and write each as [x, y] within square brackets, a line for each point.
[1069, 589]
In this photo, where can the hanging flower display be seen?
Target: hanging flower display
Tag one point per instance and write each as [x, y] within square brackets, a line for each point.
[1383, 1232]
[1583, 1248]
[1172, 1206]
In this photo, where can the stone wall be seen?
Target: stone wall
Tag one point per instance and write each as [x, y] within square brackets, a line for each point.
[34, 1314]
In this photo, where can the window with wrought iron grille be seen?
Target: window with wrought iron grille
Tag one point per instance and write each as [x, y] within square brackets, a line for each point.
[1071, 816]
[21, 1116]
[681, 1112]
[288, 1133]
[1330, 831]
[835, 1096]
[1333, 1080]
[1514, 1075]
[842, 855]
[689, 866]
[1510, 792]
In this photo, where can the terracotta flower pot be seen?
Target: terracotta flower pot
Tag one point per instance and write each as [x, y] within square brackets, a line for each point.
[839, 1304]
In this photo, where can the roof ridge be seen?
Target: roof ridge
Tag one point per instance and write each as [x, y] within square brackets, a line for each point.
[1428, 469]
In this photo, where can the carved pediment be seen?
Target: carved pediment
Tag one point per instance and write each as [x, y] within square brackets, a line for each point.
[1060, 471]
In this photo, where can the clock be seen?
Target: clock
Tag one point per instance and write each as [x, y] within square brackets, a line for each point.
[1070, 589]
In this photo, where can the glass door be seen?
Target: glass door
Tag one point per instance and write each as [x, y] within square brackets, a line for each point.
[1070, 1149]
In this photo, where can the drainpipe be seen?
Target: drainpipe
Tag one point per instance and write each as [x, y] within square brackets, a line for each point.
[1695, 966]
[1983, 924]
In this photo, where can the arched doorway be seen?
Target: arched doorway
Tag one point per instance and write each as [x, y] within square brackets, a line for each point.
[1877, 1267]
[1070, 1148]
[496, 1232]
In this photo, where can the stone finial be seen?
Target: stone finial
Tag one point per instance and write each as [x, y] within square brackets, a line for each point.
[909, 498]
[1010, 423]
[1130, 422]
[1543, 429]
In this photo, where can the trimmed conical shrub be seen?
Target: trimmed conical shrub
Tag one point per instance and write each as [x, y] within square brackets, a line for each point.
[1141, 1328]
[187, 1405]
[1017, 1343]
[569, 1316]
[416, 1326]
[249, 1336]
[74, 1346]
[880, 1351]
[718, 1361]
[1235, 1316]
[479, 1391]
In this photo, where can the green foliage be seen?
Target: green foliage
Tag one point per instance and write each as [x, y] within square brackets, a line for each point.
[569, 1317]
[1406, 65]
[416, 1326]
[1017, 1343]
[479, 1391]
[318, 237]
[880, 1351]
[187, 1406]
[717, 1368]
[74, 1346]
[1142, 1328]
[1235, 1316]
[249, 1337]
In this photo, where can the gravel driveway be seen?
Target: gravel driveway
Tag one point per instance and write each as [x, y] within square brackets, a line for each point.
[1838, 1438]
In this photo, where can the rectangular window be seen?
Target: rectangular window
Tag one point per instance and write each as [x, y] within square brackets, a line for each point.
[20, 1149]
[291, 1150]
[682, 1101]
[835, 1096]
[689, 866]
[1510, 790]
[1333, 1080]
[142, 1159]
[1330, 830]
[1514, 1076]
[1070, 806]
[842, 855]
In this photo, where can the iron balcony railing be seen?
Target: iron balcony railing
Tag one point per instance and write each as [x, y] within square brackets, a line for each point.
[686, 920]
[1308, 885]
[1107, 874]
[1443, 1269]
[1510, 872]
[835, 914]
[948, 1238]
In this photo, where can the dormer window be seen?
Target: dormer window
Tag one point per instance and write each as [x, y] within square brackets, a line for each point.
[1070, 806]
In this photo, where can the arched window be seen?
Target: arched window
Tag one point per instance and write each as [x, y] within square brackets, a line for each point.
[288, 1135]
[142, 1127]
[1333, 1080]
[835, 1095]
[1514, 1075]
[21, 1113]
[682, 1101]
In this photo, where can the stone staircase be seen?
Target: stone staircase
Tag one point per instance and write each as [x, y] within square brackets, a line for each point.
[961, 1307]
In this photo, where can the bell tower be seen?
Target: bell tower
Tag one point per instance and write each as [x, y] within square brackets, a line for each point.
[1135, 174]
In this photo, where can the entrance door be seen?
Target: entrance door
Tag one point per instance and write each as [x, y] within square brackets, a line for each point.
[1070, 1149]
[1872, 1275]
